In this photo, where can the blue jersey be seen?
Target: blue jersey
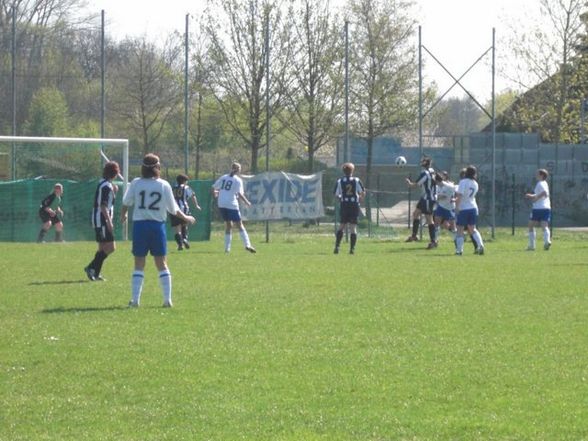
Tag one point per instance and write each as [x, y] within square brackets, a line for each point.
[348, 189]
[427, 182]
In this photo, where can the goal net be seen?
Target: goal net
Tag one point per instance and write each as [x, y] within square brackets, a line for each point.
[31, 166]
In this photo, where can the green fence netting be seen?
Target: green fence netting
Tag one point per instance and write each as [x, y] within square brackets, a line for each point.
[20, 222]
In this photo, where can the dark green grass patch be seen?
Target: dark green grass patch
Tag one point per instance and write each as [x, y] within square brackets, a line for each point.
[295, 343]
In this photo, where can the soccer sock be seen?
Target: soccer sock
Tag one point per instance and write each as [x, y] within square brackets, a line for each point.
[58, 236]
[178, 238]
[165, 280]
[453, 234]
[41, 235]
[353, 241]
[415, 227]
[99, 259]
[245, 238]
[546, 235]
[474, 241]
[184, 232]
[478, 238]
[137, 285]
[432, 232]
[532, 239]
[459, 240]
[228, 239]
[338, 238]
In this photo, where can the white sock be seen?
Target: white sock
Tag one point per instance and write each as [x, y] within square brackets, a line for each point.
[546, 235]
[532, 236]
[453, 234]
[165, 280]
[137, 285]
[459, 240]
[245, 238]
[478, 239]
[228, 239]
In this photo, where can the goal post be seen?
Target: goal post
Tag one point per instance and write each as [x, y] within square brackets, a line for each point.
[36, 163]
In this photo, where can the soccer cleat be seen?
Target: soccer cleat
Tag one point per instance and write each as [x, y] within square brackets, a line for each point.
[186, 243]
[458, 253]
[432, 245]
[90, 272]
[480, 251]
[133, 304]
[251, 249]
[180, 247]
[412, 239]
[351, 251]
[547, 246]
[336, 250]
[530, 248]
[99, 278]
[167, 304]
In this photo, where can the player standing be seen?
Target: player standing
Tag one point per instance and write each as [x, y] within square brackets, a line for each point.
[228, 189]
[349, 190]
[151, 198]
[51, 213]
[467, 211]
[182, 193]
[102, 220]
[426, 202]
[541, 212]
[444, 214]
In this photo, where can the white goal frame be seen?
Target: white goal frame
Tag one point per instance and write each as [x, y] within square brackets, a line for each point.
[111, 141]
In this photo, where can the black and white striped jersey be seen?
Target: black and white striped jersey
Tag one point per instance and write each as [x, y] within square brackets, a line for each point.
[427, 182]
[348, 189]
[104, 197]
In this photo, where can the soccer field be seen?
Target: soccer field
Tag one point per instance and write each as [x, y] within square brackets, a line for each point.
[295, 343]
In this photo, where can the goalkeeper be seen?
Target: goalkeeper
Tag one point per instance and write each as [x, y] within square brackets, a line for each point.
[51, 213]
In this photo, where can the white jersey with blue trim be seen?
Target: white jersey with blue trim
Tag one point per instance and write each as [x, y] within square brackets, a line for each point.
[151, 199]
[446, 195]
[468, 188]
[229, 187]
[543, 203]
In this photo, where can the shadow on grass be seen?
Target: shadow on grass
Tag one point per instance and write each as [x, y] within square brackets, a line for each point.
[59, 282]
[82, 309]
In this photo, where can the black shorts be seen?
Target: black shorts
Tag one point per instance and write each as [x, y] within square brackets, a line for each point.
[175, 221]
[349, 213]
[426, 206]
[103, 235]
[46, 218]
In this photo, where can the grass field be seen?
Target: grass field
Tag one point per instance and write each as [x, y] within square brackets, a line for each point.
[295, 343]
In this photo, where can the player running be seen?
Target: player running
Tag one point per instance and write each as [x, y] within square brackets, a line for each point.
[151, 198]
[103, 221]
[228, 189]
[183, 194]
[51, 213]
[541, 212]
[444, 214]
[467, 211]
[426, 203]
[349, 190]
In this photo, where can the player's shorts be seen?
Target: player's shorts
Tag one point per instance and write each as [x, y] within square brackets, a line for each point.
[149, 236]
[444, 213]
[46, 218]
[230, 214]
[540, 215]
[349, 213]
[425, 206]
[467, 217]
[175, 221]
[103, 235]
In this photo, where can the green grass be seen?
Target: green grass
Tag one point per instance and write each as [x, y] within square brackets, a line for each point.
[295, 343]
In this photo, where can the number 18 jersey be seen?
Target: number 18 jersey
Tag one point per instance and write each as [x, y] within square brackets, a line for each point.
[151, 199]
[229, 187]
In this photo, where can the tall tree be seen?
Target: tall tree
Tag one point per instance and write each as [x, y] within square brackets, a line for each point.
[314, 100]
[147, 90]
[238, 53]
[384, 88]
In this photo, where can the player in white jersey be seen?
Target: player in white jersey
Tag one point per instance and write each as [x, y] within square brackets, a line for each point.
[151, 198]
[467, 211]
[541, 212]
[103, 220]
[228, 189]
[444, 214]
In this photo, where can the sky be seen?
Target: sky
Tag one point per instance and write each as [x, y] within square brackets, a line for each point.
[456, 32]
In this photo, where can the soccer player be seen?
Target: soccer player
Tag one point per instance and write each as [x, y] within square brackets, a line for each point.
[228, 189]
[51, 213]
[444, 214]
[102, 220]
[151, 198]
[183, 194]
[467, 211]
[349, 190]
[541, 212]
[426, 202]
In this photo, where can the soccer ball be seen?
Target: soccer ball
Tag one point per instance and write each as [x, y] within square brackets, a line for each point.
[400, 161]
